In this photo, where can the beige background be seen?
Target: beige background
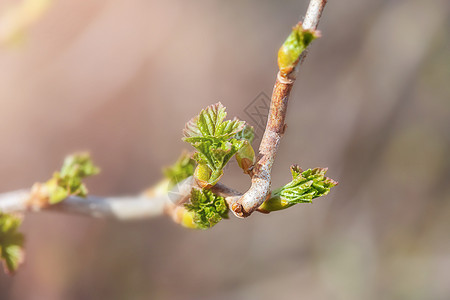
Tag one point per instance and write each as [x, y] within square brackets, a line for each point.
[120, 79]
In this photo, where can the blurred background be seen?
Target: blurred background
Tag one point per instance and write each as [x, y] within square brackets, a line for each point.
[121, 78]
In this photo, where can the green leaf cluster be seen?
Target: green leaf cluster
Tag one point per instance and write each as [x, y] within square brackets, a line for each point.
[208, 208]
[215, 141]
[68, 181]
[304, 187]
[180, 170]
[11, 242]
[292, 48]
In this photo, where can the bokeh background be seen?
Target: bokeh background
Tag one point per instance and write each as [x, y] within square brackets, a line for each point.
[120, 79]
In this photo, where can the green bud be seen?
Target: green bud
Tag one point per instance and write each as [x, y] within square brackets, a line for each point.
[292, 48]
[188, 220]
[69, 180]
[205, 177]
[181, 215]
[273, 204]
[304, 187]
[207, 208]
[216, 142]
[246, 157]
[56, 192]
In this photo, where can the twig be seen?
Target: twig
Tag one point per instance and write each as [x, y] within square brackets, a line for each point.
[119, 208]
[313, 14]
[261, 179]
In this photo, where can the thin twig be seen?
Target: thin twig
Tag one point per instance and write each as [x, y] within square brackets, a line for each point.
[313, 14]
[261, 179]
[119, 208]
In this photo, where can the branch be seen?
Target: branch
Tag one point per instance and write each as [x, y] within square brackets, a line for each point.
[261, 175]
[119, 208]
[313, 14]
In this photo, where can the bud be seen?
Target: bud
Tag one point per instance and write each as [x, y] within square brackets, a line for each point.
[188, 220]
[274, 204]
[246, 157]
[292, 48]
[204, 176]
[184, 217]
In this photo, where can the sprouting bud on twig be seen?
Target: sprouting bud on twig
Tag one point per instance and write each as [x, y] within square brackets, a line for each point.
[304, 187]
[215, 142]
[292, 48]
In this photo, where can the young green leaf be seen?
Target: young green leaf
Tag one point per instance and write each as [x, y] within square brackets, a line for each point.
[304, 187]
[11, 242]
[210, 124]
[215, 142]
[78, 166]
[292, 48]
[208, 208]
[69, 180]
[215, 155]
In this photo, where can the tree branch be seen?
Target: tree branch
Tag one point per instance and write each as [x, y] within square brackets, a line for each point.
[261, 175]
[313, 14]
[119, 208]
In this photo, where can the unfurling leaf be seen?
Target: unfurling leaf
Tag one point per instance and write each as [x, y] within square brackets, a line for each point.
[78, 166]
[68, 181]
[304, 187]
[11, 242]
[208, 208]
[214, 155]
[215, 142]
[210, 124]
[292, 48]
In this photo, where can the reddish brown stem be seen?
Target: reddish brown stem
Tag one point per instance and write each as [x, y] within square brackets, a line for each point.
[261, 179]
